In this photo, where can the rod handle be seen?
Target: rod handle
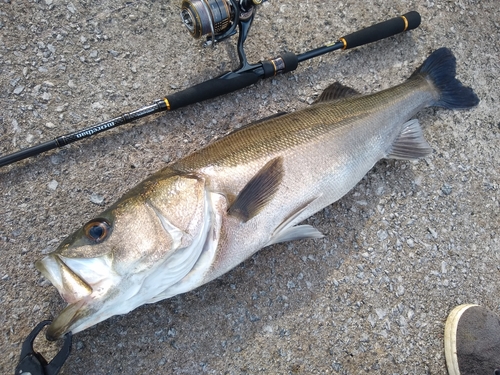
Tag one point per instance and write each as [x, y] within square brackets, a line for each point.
[212, 88]
[382, 30]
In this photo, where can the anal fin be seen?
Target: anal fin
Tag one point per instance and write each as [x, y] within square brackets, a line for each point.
[258, 191]
[410, 143]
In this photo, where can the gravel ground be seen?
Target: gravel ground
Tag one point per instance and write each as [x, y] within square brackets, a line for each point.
[407, 244]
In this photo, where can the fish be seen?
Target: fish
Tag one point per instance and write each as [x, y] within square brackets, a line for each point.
[204, 214]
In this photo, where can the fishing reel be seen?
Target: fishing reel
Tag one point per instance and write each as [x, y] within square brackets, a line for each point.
[217, 19]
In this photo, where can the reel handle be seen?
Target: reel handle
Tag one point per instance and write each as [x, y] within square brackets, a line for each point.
[382, 30]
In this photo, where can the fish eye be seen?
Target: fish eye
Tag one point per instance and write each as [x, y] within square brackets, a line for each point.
[97, 230]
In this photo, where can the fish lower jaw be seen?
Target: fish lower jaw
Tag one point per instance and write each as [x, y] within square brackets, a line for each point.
[65, 321]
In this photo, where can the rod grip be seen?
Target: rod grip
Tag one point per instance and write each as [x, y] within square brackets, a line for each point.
[210, 89]
[382, 30]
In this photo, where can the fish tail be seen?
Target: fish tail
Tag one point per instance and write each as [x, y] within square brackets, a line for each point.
[440, 69]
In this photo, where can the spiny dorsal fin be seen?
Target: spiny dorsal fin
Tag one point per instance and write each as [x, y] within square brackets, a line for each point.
[258, 191]
[336, 91]
[410, 144]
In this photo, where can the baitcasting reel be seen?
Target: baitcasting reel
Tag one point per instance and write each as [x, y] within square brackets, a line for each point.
[216, 18]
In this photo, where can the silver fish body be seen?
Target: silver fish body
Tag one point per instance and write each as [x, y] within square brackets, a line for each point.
[204, 214]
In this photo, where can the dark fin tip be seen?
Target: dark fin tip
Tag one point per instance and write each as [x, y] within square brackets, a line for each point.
[440, 68]
[258, 191]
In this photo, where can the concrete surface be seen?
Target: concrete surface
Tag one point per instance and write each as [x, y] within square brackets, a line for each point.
[410, 242]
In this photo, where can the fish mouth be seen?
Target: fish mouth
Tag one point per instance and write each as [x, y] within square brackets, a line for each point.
[72, 288]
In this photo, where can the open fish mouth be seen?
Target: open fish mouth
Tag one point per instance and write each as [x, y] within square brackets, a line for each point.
[77, 292]
[70, 285]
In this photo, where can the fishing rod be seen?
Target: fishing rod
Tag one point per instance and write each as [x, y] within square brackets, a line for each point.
[219, 19]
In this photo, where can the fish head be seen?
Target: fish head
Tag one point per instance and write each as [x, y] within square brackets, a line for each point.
[131, 253]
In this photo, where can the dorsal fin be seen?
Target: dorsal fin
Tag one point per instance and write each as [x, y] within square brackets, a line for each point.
[336, 91]
[258, 191]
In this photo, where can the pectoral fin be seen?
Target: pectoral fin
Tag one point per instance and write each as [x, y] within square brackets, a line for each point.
[410, 144]
[258, 191]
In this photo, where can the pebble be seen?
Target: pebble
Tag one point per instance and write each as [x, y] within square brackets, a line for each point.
[97, 199]
[19, 89]
[446, 189]
[382, 235]
[71, 8]
[52, 185]
[56, 159]
[96, 106]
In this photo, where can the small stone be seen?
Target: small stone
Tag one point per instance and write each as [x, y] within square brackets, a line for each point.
[446, 189]
[52, 185]
[97, 199]
[56, 159]
[400, 291]
[19, 89]
[50, 125]
[382, 235]
[96, 106]
[443, 267]
[15, 126]
[13, 82]
[381, 313]
[71, 8]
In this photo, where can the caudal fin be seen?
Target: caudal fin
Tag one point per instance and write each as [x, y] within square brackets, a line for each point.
[440, 69]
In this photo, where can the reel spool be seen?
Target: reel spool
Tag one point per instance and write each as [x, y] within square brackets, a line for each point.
[216, 18]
